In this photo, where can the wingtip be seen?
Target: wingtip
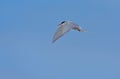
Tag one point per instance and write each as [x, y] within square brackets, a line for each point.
[53, 41]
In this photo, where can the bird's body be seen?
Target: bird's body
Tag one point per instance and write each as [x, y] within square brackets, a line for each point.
[65, 27]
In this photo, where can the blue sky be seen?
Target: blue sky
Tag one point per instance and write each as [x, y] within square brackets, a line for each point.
[27, 28]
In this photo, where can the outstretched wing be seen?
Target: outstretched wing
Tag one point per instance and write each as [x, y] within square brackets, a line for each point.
[60, 32]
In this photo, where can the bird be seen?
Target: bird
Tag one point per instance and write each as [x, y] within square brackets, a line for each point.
[64, 27]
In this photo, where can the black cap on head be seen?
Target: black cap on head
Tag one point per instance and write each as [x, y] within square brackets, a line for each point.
[62, 22]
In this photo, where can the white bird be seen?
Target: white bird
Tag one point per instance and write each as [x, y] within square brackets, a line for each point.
[64, 27]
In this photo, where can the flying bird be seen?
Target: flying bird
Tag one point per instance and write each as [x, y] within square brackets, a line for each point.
[64, 27]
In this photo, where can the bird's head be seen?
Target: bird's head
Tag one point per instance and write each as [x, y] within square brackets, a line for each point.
[63, 22]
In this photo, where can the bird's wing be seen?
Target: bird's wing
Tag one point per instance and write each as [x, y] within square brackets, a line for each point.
[60, 32]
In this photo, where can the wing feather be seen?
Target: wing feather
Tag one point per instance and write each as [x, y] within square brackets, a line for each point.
[60, 32]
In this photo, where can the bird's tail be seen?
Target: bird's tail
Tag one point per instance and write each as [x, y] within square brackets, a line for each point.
[82, 30]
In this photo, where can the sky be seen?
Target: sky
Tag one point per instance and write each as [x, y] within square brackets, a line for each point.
[27, 28]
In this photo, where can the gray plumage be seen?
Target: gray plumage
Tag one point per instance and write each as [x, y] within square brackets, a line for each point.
[64, 27]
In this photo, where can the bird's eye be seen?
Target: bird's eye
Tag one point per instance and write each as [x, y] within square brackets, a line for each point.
[62, 22]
